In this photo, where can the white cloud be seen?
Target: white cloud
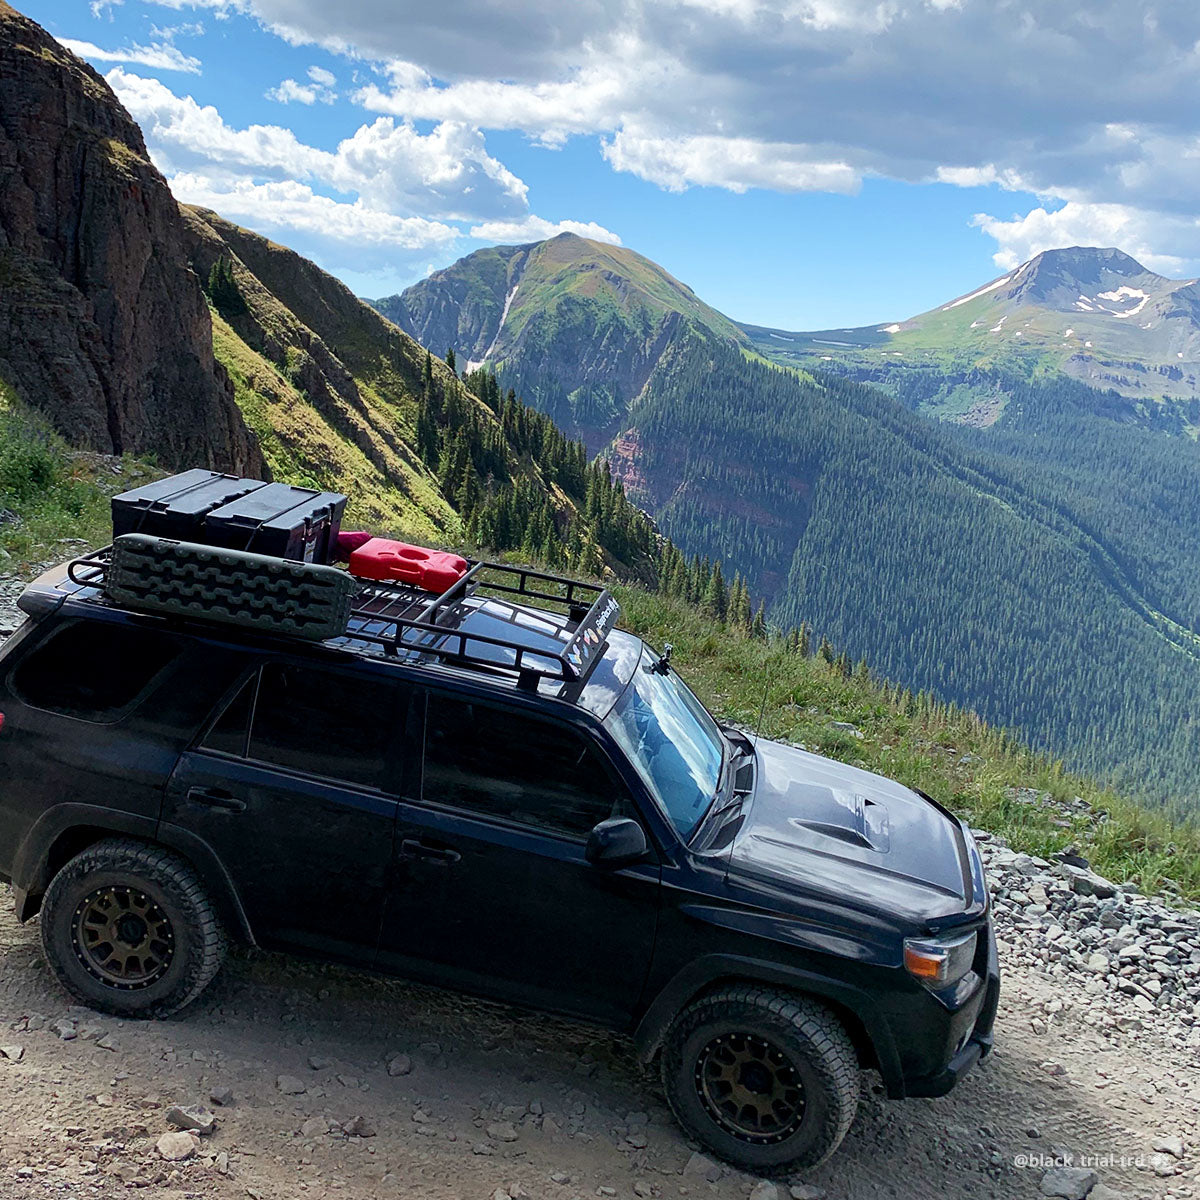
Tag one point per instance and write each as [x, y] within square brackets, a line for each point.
[320, 88]
[1164, 243]
[288, 91]
[446, 173]
[159, 56]
[1088, 104]
[537, 229]
[733, 163]
[286, 205]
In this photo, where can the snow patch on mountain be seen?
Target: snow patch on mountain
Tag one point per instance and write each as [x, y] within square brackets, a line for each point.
[890, 329]
[476, 363]
[1120, 294]
[991, 287]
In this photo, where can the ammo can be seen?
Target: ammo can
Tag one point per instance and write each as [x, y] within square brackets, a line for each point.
[279, 520]
[175, 507]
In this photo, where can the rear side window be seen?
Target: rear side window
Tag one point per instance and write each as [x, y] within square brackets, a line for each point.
[519, 768]
[314, 721]
[93, 670]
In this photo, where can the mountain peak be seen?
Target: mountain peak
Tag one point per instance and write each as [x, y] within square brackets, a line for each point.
[1087, 257]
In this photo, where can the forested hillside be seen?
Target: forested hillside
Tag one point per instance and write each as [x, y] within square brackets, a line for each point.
[1047, 585]
[340, 397]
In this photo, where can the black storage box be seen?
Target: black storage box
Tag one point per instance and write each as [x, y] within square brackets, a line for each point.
[288, 522]
[176, 507]
[251, 591]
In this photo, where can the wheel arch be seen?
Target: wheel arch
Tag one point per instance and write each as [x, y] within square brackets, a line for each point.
[866, 1028]
[67, 830]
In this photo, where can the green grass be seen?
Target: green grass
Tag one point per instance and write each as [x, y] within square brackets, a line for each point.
[918, 747]
[54, 499]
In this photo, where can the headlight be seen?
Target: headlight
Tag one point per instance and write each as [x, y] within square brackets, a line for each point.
[939, 962]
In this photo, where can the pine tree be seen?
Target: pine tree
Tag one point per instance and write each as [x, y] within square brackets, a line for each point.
[450, 361]
[716, 600]
[759, 628]
[223, 290]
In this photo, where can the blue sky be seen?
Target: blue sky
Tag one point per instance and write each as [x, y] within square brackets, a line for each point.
[800, 163]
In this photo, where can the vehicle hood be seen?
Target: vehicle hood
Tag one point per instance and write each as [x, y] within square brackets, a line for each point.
[813, 824]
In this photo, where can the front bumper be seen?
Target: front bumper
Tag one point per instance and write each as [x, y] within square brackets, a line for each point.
[977, 1043]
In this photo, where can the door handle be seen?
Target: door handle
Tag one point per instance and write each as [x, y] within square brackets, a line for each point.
[216, 798]
[415, 848]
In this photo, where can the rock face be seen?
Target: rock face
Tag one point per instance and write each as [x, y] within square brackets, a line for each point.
[103, 325]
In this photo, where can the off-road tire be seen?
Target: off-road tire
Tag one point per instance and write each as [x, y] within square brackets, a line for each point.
[197, 939]
[807, 1033]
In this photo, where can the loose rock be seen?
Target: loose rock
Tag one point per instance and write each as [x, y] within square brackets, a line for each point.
[191, 1116]
[178, 1146]
[1071, 1183]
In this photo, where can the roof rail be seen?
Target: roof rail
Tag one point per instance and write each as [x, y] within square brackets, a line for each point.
[402, 618]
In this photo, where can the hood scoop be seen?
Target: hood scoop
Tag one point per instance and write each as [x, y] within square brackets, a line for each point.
[848, 817]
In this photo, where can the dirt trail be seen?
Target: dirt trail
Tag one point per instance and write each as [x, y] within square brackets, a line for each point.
[497, 1099]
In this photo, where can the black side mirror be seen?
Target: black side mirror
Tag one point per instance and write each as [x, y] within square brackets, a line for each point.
[616, 843]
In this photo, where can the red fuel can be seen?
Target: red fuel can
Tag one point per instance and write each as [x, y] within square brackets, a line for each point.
[430, 570]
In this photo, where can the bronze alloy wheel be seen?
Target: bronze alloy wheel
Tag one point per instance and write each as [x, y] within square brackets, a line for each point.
[122, 937]
[750, 1088]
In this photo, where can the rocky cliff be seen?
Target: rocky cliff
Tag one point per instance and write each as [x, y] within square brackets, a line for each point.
[103, 324]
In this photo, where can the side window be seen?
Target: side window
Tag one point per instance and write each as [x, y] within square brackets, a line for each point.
[523, 769]
[93, 669]
[325, 723]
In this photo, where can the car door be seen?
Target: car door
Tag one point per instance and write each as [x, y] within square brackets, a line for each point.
[288, 785]
[491, 890]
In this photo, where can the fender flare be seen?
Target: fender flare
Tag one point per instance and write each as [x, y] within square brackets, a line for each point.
[32, 872]
[705, 972]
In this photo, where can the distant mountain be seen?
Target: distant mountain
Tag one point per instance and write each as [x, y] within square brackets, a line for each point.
[1096, 315]
[575, 326]
[103, 326]
[1044, 570]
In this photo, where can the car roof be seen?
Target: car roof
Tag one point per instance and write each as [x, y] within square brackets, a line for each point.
[503, 637]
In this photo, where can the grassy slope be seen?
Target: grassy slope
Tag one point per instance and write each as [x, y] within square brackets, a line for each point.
[805, 696]
[53, 500]
[304, 447]
[612, 277]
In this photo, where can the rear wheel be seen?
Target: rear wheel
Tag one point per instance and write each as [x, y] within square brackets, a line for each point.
[767, 1080]
[129, 929]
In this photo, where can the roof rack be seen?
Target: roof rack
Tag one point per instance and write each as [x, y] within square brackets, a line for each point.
[402, 618]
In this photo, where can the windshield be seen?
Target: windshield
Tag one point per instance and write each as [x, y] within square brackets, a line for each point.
[672, 741]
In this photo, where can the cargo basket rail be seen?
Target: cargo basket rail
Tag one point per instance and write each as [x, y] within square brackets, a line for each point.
[401, 618]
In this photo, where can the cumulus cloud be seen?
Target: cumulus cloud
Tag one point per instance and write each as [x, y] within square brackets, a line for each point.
[728, 162]
[159, 56]
[446, 173]
[319, 88]
[1163, 242]
[1089, 104]
[537, 229]
[287, 205]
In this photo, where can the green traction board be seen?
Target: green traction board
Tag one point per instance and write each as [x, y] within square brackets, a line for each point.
[252, 591]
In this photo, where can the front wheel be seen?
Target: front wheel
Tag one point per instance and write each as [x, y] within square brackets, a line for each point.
[767, 1080]
[128, 929]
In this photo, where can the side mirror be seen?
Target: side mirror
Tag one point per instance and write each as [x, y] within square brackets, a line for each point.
[616, 843]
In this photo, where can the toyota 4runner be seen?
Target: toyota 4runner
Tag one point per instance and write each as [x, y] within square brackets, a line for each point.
[494, 790]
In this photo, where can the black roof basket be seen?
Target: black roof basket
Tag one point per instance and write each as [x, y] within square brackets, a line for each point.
[401, 618]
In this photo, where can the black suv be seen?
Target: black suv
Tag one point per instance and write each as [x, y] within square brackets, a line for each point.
[493, 790]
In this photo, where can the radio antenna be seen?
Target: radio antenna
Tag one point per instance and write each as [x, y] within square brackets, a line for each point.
[762, 708]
